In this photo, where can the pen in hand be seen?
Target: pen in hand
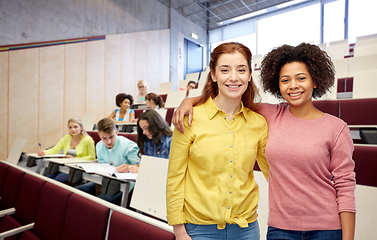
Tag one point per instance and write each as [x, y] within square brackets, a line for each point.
[40, 152]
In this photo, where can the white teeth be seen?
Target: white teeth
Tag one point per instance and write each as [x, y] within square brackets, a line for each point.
[233, 86]
[294, 95]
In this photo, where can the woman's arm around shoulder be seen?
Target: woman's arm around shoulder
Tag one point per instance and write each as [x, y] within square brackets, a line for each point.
[185, 108]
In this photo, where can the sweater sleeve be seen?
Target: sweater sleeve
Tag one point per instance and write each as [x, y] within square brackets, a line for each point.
[59, 146]
[261, 157]
[342, 168]
[175, 186]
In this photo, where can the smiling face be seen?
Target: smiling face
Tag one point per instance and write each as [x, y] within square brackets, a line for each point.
[296, 84]
[125, 104]
[144, 125]
[232, 75]
[74, 128]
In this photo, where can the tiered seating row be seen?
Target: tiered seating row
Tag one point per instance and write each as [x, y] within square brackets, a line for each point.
[57, 211]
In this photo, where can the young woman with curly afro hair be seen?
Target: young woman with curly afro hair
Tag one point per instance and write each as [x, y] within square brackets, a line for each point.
[311, 177]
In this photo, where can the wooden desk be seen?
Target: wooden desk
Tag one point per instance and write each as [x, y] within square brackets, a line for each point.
[97, 178]
[126, 127]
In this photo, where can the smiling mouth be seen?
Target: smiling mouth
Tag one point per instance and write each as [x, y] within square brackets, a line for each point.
[295, 94]
[233, 86]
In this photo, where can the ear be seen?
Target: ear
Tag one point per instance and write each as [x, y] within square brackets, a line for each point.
[213, 78]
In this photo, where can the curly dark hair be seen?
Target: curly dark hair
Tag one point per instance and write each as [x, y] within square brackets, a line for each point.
[120, 98]
[318, 64]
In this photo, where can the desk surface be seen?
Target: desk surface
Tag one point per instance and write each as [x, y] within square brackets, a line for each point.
[70, 160]
[35, 155]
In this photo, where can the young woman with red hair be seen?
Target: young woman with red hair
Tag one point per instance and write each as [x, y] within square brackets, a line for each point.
[211, 191]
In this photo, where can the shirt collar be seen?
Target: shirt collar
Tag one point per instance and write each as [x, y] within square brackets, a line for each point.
[212, 109]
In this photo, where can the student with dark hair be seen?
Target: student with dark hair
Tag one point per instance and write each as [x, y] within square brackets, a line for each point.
[124, 113]
[211, 192]
[153, 134]
[75, 144]
[154, 101]
[115, 150]
[311, 178]
[190, 85]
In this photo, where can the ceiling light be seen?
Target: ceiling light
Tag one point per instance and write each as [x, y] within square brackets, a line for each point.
[249, 15]
[290, 3]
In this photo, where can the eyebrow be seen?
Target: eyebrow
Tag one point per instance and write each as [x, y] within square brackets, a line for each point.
[295, 75]
[242, 65]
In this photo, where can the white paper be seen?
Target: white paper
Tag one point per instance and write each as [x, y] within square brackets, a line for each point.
[46, 156]
[97, 167]
[126, 176]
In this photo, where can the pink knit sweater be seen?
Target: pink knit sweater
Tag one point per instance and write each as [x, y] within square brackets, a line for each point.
[310, 166]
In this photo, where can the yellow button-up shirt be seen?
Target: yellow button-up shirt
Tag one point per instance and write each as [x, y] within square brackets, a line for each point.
[210, 176]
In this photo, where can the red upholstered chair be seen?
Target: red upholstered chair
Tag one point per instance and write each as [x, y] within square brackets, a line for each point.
[51, 214]
[365, 165]
[127, 227]
[85, 219]
[27, 205]
[11, 188]
[349, 84]
[132, 137]
[359, 111]
[163, 96]
[138, 112]
[3, 171]
[328, 106]
[95, 137]
[341, 85]
[169, 115]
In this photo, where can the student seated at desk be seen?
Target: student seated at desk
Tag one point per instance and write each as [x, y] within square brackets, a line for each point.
[153, 135]
[154, 101]
[75, 144]
[142, 86]
[115, 150]
[124, 114]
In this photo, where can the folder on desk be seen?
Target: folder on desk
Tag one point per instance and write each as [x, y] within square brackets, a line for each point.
[149, 194]
[16, 151]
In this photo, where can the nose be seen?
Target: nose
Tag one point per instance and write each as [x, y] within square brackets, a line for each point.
[145, 131]
[293, 84]
[233, 76]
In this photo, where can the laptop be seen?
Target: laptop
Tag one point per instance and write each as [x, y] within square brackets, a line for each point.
[16, 151]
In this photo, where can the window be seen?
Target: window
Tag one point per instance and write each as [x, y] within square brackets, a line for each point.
[333, 29]
[362, 19]
[292, 27]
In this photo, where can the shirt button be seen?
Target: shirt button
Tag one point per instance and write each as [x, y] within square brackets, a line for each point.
[230, 192]
[231, 145]
[231, 160]
[228, 207]
[225, 118]
[233, 119]
[230, 131]
[231, 176]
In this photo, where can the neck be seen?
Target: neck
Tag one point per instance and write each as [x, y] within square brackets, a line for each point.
[154, 105]
[229, 105]
[307, 111]
[77, 137]
[123, 110]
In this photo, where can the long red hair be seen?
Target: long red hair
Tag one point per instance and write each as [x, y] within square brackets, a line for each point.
[211, 89]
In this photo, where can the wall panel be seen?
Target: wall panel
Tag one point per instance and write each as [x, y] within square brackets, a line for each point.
[23, 97]
[51, 95]
[164, 55]
[4, 104]
[113, 72]
[129, 80]
[142, 60]
[95, 78]
[154, 60]
[74, 81]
